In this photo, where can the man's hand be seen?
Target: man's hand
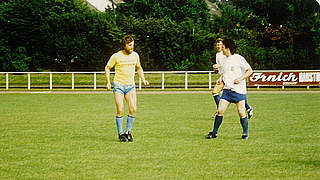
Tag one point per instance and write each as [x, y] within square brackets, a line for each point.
[215, 66]
[237, 81]
[218, 82]
[145, 82]
[108, 86]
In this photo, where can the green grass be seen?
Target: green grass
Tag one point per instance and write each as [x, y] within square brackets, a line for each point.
[73, 136]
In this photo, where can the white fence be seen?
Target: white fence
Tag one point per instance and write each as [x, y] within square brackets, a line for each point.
[7, 74]
[163, 85]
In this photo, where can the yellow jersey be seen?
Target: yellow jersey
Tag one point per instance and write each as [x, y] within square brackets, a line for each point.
[124, 66]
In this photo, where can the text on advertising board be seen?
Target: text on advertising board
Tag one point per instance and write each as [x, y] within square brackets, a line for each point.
[284, 78]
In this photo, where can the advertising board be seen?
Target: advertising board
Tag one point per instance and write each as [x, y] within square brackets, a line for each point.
[284, 78]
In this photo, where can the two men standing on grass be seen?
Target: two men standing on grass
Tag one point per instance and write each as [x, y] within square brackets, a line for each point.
[217, 89]
[234, 72]
[125, 61]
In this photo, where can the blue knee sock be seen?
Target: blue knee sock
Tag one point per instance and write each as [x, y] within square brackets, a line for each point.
[130, 121]
[244, 124]
[217, 123]
[247, 105]
[119, 121]
[216, 99]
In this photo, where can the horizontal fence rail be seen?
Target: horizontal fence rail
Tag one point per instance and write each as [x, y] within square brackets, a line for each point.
[201, 79]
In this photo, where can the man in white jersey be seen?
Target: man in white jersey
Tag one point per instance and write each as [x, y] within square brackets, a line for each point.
[125, 63]
[234, 72]
[220, 59]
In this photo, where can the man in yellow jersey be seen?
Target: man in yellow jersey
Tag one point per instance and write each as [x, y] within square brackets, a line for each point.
[125, 62]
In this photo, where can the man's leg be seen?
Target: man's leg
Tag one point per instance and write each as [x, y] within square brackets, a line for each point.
[247, 105]
[216, 98]
[249, 109]
[223, 105]
[215, 93]
[131, 99]
[119, 117]
[243, 118]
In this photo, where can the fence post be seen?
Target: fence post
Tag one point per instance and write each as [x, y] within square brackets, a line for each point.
[186, 81]
[50, 80]
[72, 81]
[29, 81]
[209, 80]
[7, 81]
[95, 81]
[162, 81]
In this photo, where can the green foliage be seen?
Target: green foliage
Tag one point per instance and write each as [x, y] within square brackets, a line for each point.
[315, 31]
[164, 44]
[16, 60]
[170, 34]
[238, 23]
[271, 46]
[177, 10]
[65, 35]
[79, 37]
[59, 35]
[293, 27]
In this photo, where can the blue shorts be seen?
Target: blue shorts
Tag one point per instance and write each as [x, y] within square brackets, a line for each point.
[123, 89]
[232, 96]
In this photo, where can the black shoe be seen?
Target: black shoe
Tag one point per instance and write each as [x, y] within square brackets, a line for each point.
[122, 138]
[129, 136]
[211, 135]
[244, 136]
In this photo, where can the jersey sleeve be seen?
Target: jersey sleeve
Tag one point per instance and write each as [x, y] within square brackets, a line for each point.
[217, 58]
[244, 64]
[112, 61]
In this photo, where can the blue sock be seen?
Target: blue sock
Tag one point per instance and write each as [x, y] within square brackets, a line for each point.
[216, 99]
[247, 105]
[119, 121]
[244, 124]
[217, 123]
[130, 121]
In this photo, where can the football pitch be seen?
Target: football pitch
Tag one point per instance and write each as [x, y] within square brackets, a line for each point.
[73, 136]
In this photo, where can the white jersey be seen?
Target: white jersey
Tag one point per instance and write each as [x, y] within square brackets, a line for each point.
[234, 67]
[220, 59]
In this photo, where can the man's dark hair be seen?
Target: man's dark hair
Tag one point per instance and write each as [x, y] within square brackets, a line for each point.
[229, 43]
[126, 39]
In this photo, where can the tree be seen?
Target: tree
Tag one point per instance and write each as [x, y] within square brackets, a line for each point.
[177, 10]
[171, 34]
[290, 33]
[58, 35]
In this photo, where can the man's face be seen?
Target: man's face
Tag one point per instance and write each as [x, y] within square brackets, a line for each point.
[129, 47]
[223, 47]
[219, 46]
